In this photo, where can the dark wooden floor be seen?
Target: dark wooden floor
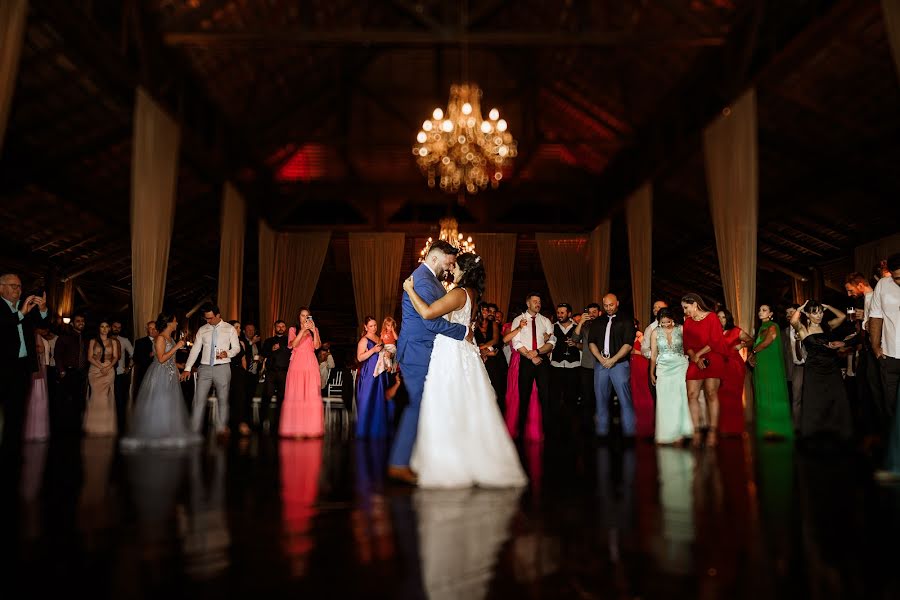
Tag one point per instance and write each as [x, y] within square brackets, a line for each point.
[267, 518]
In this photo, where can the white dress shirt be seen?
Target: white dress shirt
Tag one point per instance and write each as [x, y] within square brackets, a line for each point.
[867, 308]
[886, 306]
[544, 328]
[226, 340]
[645, 341]
[566, 364]
[126, 347]
[798, 360]
[50, 351]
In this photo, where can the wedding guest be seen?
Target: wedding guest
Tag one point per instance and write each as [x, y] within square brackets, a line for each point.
[18, 360]
[884, 332]
[122, 384]
[534, 430]
[645, 347]
[252, 343]
[731, 391]
[487, 337]
[370, 388]
[794, 364]
[143, 355]
[237, 392]
[326, 364]
[37, 421]
[641, 397]
[103, 355]
[214, 346]
[668, 371]
[67, 410]
[388, 336]
[498, 319]
[611, 339]
[824, 408]
[704, 344]
[874, 414]
[773, 419]
[277, 358]
[534, 343]
[565, 360]
[303, 414]
[586, 375]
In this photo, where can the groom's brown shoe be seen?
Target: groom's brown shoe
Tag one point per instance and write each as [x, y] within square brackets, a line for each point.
[402, 474]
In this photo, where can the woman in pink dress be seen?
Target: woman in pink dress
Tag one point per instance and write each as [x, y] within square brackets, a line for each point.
[534, 431]
[303, 415]
[644, 414]
[731, 392]
[36, 419]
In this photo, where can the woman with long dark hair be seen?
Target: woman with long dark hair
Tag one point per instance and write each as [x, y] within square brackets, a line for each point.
[371, 407]
[824, 408]
[462, 439]
[704, 343]
[103, 355]
[237, 391]
[731, 392]
[303, 415]
[773, 413]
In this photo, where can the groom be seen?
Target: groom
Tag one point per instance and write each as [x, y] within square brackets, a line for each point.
[414, 351]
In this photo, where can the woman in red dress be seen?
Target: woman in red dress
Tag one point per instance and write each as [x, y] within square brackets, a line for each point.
[644, 414]
[731, 392]
[704, 344]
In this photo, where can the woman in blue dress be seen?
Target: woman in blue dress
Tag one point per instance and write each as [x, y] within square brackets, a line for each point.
[371, 406]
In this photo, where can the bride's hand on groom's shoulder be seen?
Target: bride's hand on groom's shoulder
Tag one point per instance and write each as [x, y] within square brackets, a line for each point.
[409, 283]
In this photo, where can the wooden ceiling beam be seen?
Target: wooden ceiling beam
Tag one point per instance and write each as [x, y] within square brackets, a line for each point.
[411, 38]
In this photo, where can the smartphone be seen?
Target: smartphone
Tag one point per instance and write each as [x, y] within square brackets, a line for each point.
[705, 362]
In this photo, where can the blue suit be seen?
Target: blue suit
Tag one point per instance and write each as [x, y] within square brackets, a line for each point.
[414, 354]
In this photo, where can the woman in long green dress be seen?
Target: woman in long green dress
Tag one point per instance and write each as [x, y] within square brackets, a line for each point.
[773, 412]
[668, 370]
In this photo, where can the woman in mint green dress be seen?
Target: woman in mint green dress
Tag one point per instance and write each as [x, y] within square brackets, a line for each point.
[668, 371]
[773, 410]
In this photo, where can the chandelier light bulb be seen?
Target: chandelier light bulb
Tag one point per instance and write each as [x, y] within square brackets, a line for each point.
[427, 126]
[467, 108]
[501, 125]
[423, 151]
[494, 114]
[438, 114]
[422, 137]
[447, 125]
[503, 150]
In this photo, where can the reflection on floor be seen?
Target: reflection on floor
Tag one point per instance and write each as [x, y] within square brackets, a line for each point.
[264, 517]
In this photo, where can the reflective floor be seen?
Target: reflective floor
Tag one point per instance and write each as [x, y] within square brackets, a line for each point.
[263, 517]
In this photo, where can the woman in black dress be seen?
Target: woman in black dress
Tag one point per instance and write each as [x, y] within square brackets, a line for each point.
[824, 408]
[238, 388]
[487, 336]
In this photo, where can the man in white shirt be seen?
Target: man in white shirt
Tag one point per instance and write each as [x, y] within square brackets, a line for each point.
[884, 332]
[534, 342]
[123, 374]
[565, 360]
[215, 345]
[648, 333]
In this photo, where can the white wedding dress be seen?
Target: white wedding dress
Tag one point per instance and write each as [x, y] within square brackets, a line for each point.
[462, 439]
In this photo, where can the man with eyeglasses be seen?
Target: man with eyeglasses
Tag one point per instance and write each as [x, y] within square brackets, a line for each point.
[18, 356]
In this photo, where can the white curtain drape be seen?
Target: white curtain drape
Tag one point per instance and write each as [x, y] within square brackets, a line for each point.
[231, 252]
[639, 220]
[154, 175]
[600, 260]
[891, 11]
[289, 269]
[375, 267]
[565, 259]
[66, 303]
[732, 175]
[13, 18]
[498, 251]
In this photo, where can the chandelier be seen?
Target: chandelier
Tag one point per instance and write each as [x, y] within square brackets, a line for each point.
[450, 233]
[460, 150]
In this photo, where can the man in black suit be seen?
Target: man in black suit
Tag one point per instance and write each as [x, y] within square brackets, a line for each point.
[277, 355]
[67, 407]
[18, 357]
[143, 355]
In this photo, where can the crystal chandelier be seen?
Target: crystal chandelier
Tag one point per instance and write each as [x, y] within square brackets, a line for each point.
[450, 233]
[460, 150]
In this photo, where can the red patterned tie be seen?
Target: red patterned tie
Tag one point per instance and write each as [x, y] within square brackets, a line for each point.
[534, 345]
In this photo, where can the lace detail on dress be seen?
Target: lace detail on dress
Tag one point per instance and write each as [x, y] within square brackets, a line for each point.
[169, 365]
[462, 316]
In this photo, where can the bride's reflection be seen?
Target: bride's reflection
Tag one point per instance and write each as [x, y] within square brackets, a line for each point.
[460, 535]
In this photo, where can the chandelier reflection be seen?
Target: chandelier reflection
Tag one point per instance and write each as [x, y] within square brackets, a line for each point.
[450, 234]
[460, 150]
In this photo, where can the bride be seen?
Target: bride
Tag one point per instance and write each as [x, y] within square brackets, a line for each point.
[462, 439]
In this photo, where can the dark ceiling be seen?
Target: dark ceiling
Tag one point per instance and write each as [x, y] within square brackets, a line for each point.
[312, 108]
